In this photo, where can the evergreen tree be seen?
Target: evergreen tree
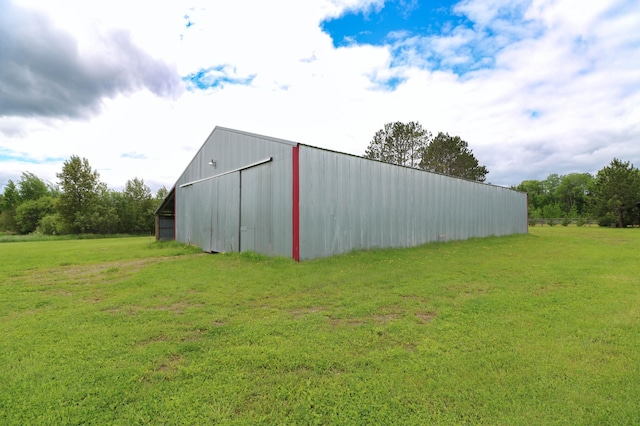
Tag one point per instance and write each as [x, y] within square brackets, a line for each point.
[451, 156]
[616, 194]
[10, 201]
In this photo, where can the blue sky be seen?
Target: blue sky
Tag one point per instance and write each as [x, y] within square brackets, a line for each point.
[215, 77]
[534, 87]
[7, 157]
[373, 25]
[440, 33]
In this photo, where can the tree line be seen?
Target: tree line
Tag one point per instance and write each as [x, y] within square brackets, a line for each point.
[81, 203]
[611, 197]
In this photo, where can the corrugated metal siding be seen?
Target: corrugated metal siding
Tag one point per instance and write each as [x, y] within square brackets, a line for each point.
[225, 213]
[349, 203]
[166, 229]
[256, 224]
[245, 210]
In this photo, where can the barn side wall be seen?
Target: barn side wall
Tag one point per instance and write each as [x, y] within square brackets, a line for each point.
[349, 203]
[242, 208]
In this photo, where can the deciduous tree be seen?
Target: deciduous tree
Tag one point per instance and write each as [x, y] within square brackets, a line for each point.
[536, 197]
[139, 207]
[31, 187]
[572, 192]
[81, 187]
[399, 143]
[161, 194]
[30, 213]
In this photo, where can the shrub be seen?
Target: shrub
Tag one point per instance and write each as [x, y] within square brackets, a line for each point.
[52, 224]
[29, 213]
[608, 220]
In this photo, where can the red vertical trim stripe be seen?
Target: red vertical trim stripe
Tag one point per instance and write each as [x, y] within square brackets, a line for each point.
[295, 216]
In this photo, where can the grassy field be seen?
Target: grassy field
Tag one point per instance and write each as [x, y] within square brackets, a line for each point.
[530, 329]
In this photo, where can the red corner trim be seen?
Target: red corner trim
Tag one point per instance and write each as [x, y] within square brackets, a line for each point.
[295, 216]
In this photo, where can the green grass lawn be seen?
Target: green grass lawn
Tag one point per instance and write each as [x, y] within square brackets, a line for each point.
[529, 329]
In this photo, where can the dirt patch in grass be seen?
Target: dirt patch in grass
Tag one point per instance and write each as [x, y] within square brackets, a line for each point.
[167, 369]
[192, 336]
[171, 365]
[127, 310]
[88, 274]
[132, 310]
[470, 290]
[388, 313]
[177, 308]
[385, 315]
[425, 317]
[348, 322]
[198, 333]
[155, 339]
[416, 298]
[303, 312]
[385, 318]
[552, 287]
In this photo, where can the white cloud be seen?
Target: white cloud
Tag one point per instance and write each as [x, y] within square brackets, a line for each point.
[491, 13]
[45, 72]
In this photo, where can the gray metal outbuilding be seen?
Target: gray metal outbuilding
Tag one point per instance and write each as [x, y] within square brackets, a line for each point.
[246, 192]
